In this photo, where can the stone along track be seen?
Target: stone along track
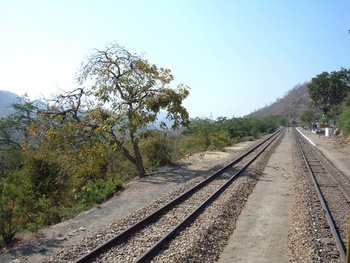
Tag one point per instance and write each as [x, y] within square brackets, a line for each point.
[145, 238]
[330, 197]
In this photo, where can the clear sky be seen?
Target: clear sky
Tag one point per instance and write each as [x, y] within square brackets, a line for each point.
[235, 55]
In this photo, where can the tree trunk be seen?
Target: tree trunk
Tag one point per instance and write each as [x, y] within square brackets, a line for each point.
[138, 160]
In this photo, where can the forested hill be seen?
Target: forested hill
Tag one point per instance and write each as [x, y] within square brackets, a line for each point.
[292, 105]
[6, 100]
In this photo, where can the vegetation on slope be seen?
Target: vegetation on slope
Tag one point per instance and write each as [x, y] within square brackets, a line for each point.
[50, 177]
[331, 93]
[325, 97]
[61, 158]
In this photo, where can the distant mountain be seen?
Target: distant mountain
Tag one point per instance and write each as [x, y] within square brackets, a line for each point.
[6, 100]
[292, 105]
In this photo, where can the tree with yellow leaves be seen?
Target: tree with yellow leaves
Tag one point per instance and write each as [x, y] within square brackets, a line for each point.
[120, 95]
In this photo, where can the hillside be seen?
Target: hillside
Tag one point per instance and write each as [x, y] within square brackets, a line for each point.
[292, 105]
[6, 100]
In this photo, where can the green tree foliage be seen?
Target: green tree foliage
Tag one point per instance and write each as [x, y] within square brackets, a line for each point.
[43, 175]
[65, 157]
[13, 134]
[156, 148]
[11, 157]
[328, 90]
[202, 130]
[98, 190]
[37, 177]
[343, 121]
[309, 116]
[202, 135]
[72, 154]
[73, 151]
[207, 134]
[17, 206]
[255, 127]
[121, 94]
[17, 199]
[77, 150]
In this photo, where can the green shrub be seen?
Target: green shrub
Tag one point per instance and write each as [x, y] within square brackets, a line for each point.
[66, 213]
[17, 206]
[11, 159]
[155, 149]
[191, 144]
[48, 179]
[97, 191]
[219, 140]
[343, 121]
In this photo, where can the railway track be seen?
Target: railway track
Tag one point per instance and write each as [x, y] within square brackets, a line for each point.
[331, 202]
[151, 234]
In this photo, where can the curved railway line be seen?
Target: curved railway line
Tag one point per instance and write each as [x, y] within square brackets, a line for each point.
[152, 234]
[333, 191]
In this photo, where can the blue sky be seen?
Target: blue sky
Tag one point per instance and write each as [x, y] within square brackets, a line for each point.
[235, 55]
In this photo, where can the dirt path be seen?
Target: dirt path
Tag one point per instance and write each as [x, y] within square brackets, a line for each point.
[263, 225]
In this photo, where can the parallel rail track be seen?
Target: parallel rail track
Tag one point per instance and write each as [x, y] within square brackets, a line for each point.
[180, 211]
[333, 191]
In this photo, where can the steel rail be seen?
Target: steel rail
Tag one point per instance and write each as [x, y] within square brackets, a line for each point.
[130, 230]
[329, 217]
[165, 239]
[339, 184]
